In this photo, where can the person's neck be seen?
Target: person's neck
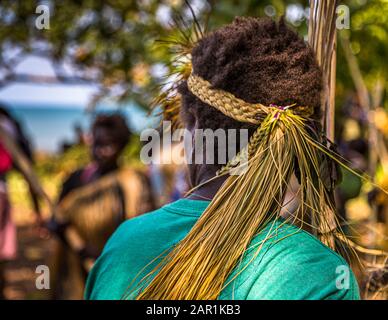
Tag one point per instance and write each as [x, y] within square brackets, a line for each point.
[208, 186]
[102, 170]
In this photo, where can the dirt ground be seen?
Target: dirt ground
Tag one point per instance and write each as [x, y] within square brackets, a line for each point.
[20, 274]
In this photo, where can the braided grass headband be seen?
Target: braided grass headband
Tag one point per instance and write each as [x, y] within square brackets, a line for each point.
[236, 108]
[242, 111]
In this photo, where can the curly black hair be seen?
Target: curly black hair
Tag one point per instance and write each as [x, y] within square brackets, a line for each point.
[259, 61]
[116, 124]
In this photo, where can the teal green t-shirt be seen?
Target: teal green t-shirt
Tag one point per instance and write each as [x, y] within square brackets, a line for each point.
[291, 265]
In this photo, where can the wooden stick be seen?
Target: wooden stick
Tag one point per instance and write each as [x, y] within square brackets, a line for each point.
[322, 38]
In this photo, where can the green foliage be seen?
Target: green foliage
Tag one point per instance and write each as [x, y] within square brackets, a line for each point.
[368, 36]
[130, 155]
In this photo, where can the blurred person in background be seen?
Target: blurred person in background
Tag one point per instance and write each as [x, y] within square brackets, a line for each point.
[93, 202]
[8, 239]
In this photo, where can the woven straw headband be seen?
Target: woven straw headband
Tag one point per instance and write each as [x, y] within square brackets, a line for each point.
[234, 107]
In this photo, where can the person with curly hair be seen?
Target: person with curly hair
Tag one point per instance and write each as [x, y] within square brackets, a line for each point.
[229, 238]
[94, 200]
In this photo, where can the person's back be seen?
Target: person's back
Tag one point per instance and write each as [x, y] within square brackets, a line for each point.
[291, 265]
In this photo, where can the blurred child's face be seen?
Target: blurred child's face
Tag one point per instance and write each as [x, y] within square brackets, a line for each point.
[105, 150]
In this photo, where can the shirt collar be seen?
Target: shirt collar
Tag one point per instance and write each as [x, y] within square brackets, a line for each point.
[187, 207]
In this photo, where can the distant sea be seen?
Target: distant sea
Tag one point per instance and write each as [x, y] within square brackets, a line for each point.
[49, 126]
